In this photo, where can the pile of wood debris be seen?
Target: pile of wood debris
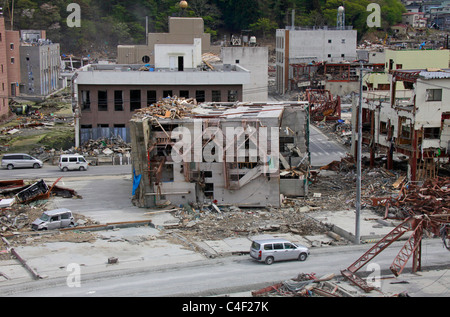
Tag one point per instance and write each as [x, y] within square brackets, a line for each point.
[167, 108]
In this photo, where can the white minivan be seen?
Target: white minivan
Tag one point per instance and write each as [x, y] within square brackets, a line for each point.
[271, 250]
[72, 162]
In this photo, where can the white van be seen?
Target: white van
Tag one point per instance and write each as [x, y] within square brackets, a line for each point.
[72, 162]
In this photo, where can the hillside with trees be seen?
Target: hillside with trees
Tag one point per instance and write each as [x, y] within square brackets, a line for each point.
[107, 23]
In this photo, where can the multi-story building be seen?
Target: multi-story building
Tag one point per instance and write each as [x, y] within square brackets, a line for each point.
[245, 154]
[414, 121]
[107, 95]
[296, 45]
[414, 19]
[40, 64]
[9, 66]
[404, 59]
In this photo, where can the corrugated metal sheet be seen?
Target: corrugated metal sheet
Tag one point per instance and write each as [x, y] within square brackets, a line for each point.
[435, 75]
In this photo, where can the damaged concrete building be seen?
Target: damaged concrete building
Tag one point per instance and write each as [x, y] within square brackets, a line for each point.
[414, 122]
[243, 154]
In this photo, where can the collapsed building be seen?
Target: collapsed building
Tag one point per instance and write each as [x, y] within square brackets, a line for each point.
[223, 153]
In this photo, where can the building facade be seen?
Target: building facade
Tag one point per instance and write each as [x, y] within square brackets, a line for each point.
[40, 63]
[414, 122]
[405, 59]
[181, 31]
[238, 154]
[107, 95]
[296, 45]
[9, 66]
[256, 60]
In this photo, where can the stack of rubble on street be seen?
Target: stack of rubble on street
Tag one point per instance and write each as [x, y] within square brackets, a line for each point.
[219, 222]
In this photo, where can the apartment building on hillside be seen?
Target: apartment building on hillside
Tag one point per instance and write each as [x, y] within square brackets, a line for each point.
[9, 66]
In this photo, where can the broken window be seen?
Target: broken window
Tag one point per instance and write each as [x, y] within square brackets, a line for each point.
[209, 190]
[200, 95]
[167, 93]
[184, 94]
[434, 95]
[431, 133]
[383, 128]
[232, 96]
[135, 99]
[118, 100]
[102, 100]
[405, 132]
[216, 96]
[151, 97]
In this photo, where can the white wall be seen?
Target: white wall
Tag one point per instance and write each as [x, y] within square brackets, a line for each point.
[165, 54]
[316, 43]
[256, 60]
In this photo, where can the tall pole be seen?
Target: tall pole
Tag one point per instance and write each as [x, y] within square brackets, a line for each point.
[358, 160]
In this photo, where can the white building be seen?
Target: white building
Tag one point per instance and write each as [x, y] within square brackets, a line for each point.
[297, 45]
[256, 60]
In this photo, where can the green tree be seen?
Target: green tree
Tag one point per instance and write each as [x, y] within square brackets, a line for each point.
[265, 26]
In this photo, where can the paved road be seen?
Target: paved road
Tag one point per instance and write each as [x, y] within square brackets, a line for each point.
[52, 172]
[238, 273]
[323, 150]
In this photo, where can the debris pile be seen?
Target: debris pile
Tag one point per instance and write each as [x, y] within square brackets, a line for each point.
[340, 130]
[106, 146]
[431, 197]
[307, 285]
[219, 222]
[334, 185]
[21, 203]
[169, 107]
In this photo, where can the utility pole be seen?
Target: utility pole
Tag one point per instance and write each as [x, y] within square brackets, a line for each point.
[358, 160]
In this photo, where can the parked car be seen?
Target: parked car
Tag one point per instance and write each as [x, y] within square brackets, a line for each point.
[15, 160]
[54, 219]
[271, 250]
[72, 162]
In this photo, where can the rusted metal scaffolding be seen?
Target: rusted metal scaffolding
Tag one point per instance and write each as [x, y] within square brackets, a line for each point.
[422, 208]
[323, 105]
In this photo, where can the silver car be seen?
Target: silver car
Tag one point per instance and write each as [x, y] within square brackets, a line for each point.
[271, 250]
[54, 219]
[16, 160]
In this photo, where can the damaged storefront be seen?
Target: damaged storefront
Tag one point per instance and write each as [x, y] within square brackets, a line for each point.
[222, 153]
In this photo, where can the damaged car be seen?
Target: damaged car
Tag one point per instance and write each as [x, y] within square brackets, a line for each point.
[54, 219]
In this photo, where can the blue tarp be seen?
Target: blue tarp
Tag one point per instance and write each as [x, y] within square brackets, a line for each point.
[136, 181]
